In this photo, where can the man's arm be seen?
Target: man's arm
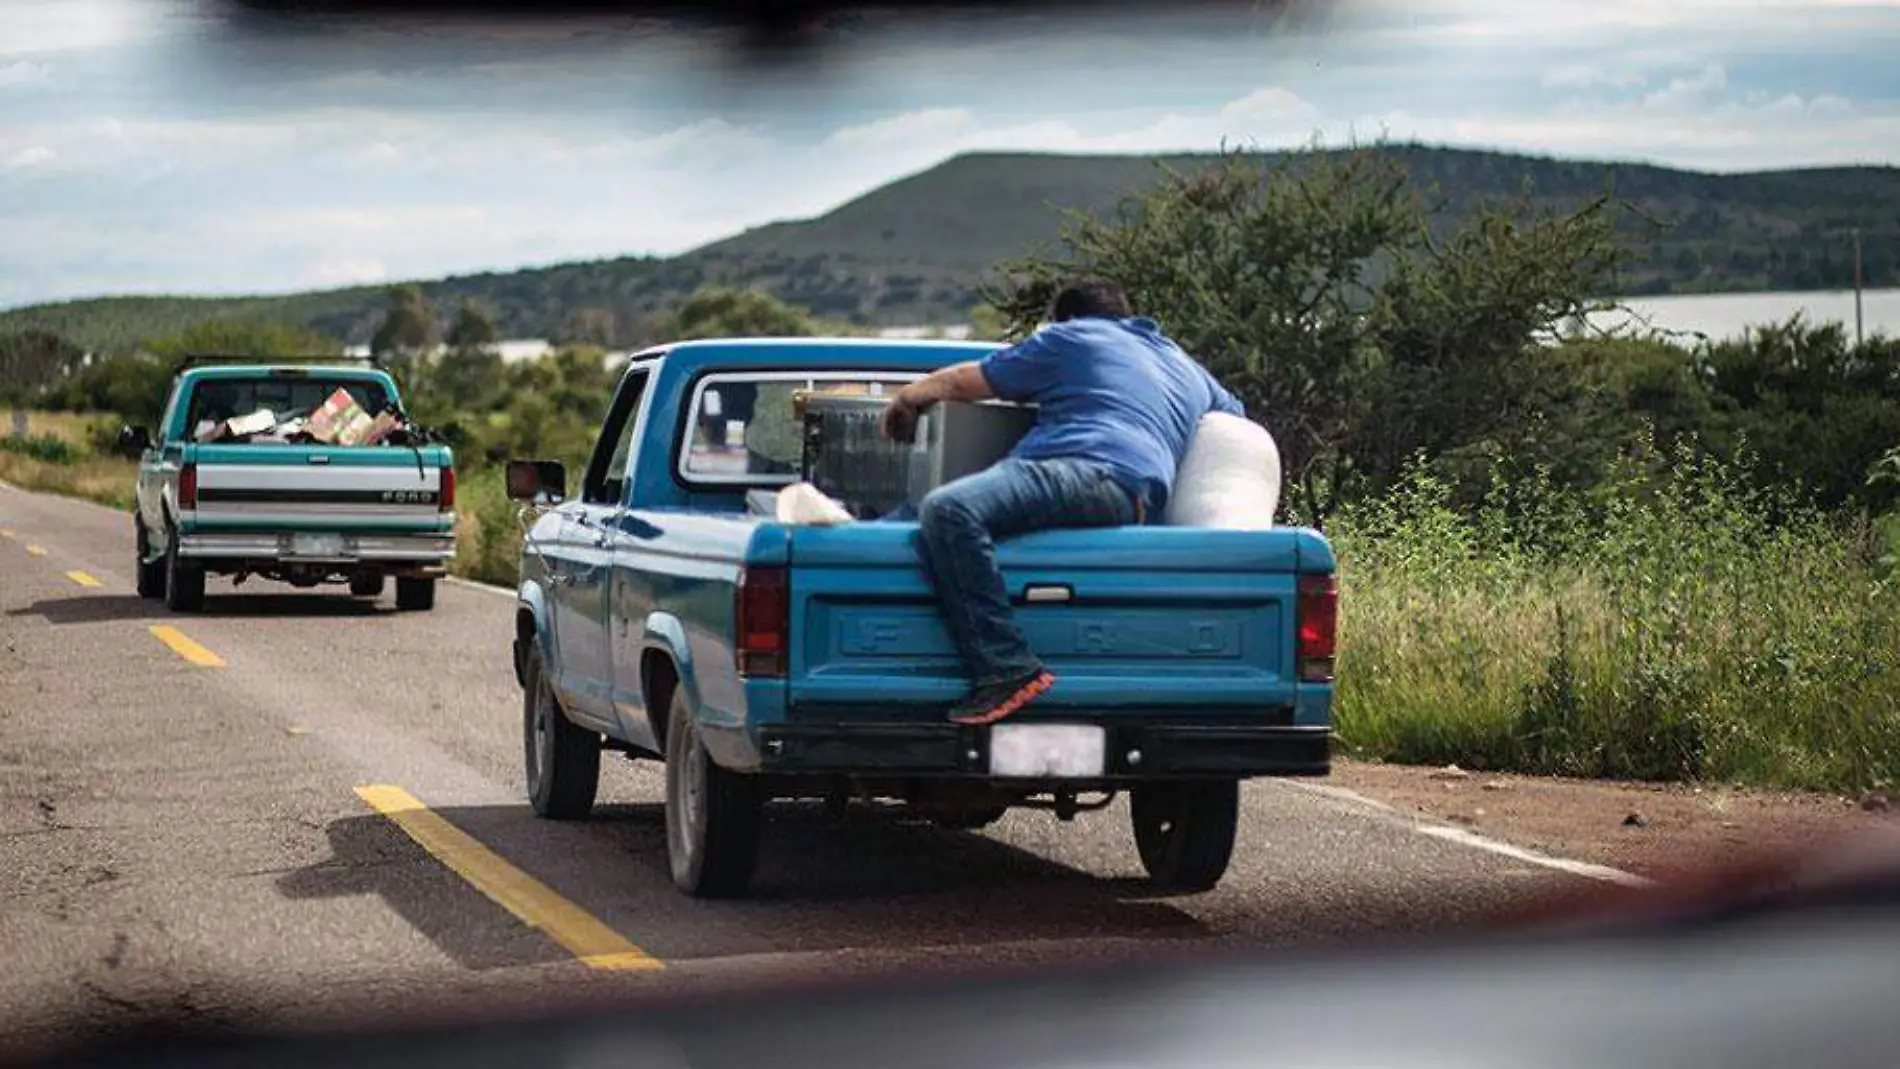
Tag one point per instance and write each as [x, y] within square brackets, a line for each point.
[958, 382]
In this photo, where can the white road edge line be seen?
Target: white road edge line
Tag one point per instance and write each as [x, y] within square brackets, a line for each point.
[1465, 837]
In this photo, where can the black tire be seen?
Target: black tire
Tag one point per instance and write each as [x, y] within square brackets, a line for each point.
[151, 573]
[366, 585]
[713, 816]
[562, 758]
[415, 595]
[184, 583]
[1185, 831]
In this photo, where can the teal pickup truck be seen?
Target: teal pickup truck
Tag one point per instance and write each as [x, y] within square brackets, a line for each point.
[278, 504]
[664, 613]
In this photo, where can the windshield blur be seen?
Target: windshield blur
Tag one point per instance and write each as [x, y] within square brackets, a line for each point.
[1552, 550]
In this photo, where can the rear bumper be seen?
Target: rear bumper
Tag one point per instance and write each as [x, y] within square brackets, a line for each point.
[278, 549]
[1136, 751]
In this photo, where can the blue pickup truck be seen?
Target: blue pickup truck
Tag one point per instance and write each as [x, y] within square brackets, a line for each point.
[663, 614]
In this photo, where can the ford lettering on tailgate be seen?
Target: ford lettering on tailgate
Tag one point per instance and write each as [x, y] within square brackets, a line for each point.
[1068, 634]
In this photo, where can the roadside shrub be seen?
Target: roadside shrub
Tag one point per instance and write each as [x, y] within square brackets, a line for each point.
[488, 535]
[1676, 625]
[45, 448]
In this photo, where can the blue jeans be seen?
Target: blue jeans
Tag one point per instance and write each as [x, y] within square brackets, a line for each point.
[958, 525]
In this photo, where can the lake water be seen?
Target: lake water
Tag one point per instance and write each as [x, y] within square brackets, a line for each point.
[1727, 315]
[1719, 315]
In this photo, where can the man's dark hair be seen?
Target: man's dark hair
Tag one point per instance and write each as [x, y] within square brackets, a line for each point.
[1079, 298]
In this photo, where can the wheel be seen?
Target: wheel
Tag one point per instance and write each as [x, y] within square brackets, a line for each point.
[151, 572]
[184, 583]
[367, 585]
[1185, 831]
[713, 816]
[563, 759]
[415, 595]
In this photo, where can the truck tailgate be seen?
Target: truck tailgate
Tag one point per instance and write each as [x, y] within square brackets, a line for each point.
[251, 487]
[1157, 621]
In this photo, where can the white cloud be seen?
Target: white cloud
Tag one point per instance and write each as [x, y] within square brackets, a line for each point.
[1561, 23]
[31, 27]
[23, 72]
[1267, 109]
[1268, 115]
[1689, 90]
[349, 272]
[927, 125]
[1591, 76]
[31, 156]
[377, 154]
[1732, 135]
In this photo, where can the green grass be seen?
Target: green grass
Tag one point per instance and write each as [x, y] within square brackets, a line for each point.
[1681, 628]
[106, 480]
[488, 534]
[69, 454]
[41, 447]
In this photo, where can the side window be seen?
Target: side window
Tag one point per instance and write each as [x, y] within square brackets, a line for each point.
[607, 472]
[163, 430]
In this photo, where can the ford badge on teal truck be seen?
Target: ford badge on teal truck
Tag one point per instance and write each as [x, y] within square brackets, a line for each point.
[297, 473]
[666, 612]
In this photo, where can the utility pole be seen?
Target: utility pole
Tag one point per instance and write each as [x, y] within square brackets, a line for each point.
[1857, 316]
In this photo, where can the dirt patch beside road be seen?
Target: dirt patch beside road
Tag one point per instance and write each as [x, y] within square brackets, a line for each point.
[1650, 829]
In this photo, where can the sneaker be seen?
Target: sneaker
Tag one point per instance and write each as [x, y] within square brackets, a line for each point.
[998, 700]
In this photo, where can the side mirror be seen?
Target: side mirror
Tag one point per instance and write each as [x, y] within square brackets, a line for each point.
[134, 440]
[537, 482]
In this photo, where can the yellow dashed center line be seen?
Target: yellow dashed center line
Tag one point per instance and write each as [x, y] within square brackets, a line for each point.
[531, 901]
[184, 647]
[37, 551]
[8, 533]
[83, 579]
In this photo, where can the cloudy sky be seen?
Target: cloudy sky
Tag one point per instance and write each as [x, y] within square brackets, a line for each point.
[151, 146]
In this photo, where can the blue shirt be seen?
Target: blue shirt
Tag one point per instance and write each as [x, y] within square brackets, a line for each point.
[1114, 391]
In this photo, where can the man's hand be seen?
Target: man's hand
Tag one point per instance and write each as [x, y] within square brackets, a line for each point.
[958, 382]
[900, 420]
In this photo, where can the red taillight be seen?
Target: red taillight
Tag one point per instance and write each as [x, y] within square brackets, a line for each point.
[1319, 627]
[764, 608]
[188, 487]
[447, 500]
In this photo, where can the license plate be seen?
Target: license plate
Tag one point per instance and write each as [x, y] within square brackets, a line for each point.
[1048, 751]
[316, 545]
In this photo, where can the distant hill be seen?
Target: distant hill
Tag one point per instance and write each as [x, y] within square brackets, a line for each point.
[911, 251]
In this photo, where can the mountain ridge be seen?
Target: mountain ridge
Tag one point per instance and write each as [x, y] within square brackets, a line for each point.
[913, 250]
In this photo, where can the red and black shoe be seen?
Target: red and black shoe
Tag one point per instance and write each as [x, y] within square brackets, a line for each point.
[998, 700]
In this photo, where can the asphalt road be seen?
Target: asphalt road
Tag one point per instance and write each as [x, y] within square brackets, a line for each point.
[182, 833]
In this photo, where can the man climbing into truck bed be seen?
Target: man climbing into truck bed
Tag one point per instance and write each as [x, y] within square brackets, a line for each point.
[1118, 402]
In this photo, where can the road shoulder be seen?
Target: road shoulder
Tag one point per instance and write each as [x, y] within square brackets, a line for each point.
[1653, 830]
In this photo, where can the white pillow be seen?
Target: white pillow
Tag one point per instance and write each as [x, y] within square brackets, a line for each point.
[804, 505]
[1229, 478]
